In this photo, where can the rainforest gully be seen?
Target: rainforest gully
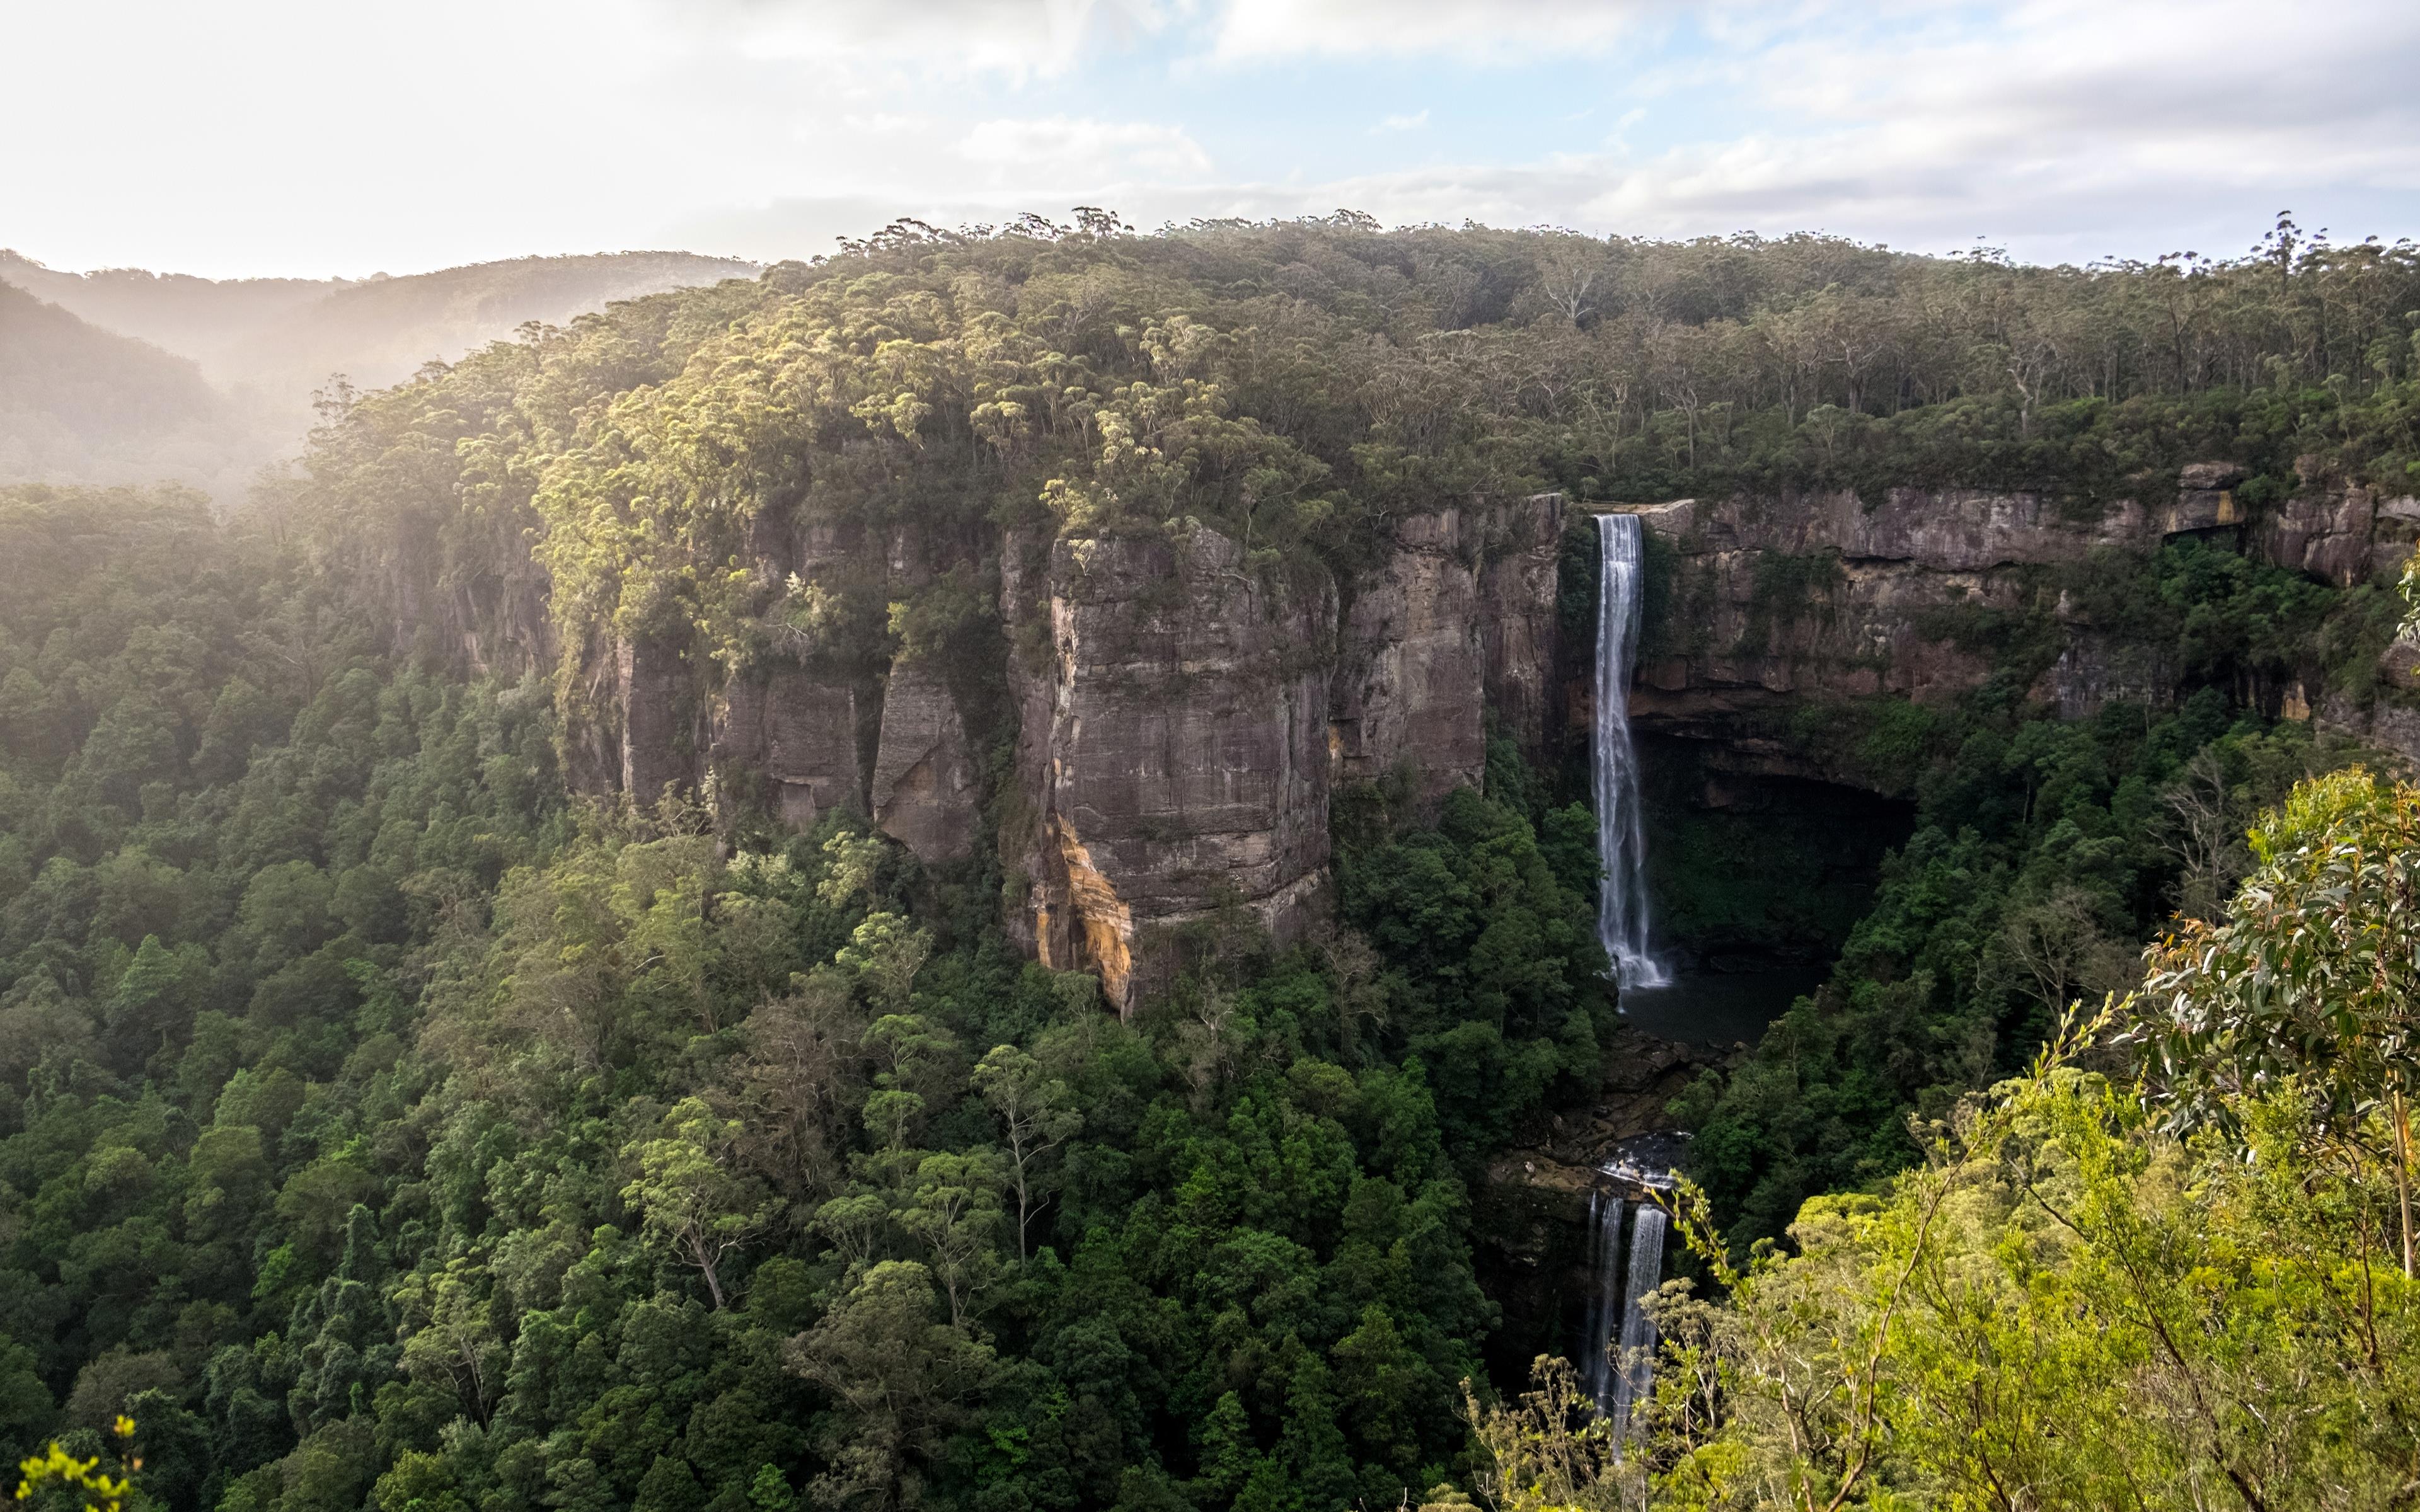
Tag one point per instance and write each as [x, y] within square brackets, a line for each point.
[1269, 866]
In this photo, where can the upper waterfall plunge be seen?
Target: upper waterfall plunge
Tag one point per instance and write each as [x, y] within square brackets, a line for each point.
[1621, 835]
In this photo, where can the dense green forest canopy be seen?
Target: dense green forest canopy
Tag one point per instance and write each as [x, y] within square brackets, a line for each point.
[382, 1126]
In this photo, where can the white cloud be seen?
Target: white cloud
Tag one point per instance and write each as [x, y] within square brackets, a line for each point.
[2065, 128]
[1495, 30]
[1063, 149]
[2060, 121]
[1020, 39]
[273, 135]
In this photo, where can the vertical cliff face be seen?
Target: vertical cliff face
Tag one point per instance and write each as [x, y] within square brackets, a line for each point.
[656, 699]
[1173, 749]
[795, 734]
[1779, 601]
[1182, 716]
[1776, 601]
[1410, 664]
[2337, 532]
[1517, 583]
[1459, 616]
[1180, 739]
[923, 790]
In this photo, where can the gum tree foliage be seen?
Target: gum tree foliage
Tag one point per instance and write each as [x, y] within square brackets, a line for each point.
[2065, 1306]
[2307, 981]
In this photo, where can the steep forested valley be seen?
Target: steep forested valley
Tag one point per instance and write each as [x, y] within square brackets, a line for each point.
[123, 374]
[962, 877]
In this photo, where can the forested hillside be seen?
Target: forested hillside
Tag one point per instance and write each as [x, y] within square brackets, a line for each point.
[80, 404]
[264, 347]
[392, 1115]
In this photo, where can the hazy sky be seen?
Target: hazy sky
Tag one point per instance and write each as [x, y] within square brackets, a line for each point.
[305, 136]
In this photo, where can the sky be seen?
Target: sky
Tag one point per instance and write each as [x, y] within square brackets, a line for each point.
[300, 137]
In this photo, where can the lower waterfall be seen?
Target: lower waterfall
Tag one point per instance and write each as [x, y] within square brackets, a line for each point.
[1605, 1298]
[1620, 834]
[1632, 1367]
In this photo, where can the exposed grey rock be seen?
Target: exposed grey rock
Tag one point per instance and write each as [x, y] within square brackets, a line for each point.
[2208, 477]
[1173, 753]
[1958, 530]
[656, 694]
[924, 783]
[797, 733]
[1410, 678]
[1902, 575]
[1517, 626]
[2389, 722]
[2325, 531]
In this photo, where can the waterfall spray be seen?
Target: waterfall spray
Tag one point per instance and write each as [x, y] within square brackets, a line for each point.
[1621, 835]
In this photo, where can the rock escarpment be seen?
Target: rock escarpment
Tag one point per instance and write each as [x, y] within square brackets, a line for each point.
[1172, 748]
[1181, 715]
[1777, 603]
[922, 792]
[1180, 736]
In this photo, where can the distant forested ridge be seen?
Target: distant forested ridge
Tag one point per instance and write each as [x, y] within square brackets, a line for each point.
[263, 348]
[78, 402]
[386, 1122]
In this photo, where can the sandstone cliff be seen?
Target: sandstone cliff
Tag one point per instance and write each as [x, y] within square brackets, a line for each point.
[1179, 741]
[1181, 715]
[1778, 602]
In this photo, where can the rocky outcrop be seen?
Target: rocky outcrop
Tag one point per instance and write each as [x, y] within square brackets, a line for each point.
[1773, 603]
[1182, 712]
[1411, 666]
[1778, 602]
[1184, 718]
[1517, 629]
[794, 734]
[1457, 619]
[923, 791]
[656, 695]
[1173, 749]
[2339, 532]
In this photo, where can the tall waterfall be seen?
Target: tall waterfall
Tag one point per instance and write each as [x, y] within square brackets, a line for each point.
[1620, 837]
[1634, 1370]
[1604, 1299]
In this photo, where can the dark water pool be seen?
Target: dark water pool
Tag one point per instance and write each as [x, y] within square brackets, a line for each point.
[1720, 1007]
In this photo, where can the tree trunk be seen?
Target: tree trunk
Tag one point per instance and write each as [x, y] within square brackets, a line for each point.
[705, 1258]
[2402, 1112]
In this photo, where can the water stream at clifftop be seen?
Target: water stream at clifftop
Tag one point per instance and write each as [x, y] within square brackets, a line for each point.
[1620, 834]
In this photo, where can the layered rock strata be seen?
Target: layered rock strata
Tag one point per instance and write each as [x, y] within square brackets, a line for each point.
[1173, 750]
[1183, 714]
[1181, 736]
[1778, 602]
